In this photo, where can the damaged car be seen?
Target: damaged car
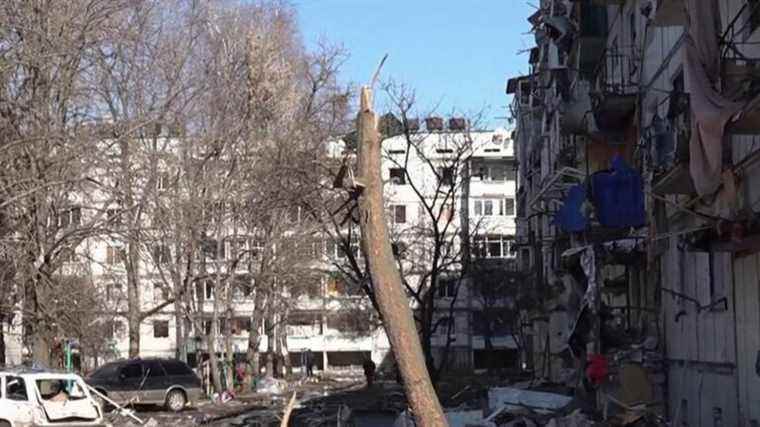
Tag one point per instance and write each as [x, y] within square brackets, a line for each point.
[33, 398]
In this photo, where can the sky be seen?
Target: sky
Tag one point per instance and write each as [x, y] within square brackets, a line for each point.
[456, 55]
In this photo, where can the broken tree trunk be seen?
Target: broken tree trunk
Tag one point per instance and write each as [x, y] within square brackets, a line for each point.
[391, 298]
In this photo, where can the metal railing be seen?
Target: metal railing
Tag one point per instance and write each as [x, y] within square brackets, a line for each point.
[616, 72]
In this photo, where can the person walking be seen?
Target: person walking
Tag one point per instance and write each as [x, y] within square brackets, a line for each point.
[309, 363]
[369, 371]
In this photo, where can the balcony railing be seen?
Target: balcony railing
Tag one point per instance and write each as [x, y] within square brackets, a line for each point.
[616, 72]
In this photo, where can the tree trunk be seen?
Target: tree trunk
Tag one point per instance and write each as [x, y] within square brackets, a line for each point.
[211, 343]
[181, 331]
[252, 367]
[2, 340]
[391, 298]
[282, 336]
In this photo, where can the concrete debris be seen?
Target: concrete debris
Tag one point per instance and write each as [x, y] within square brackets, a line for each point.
[515, 399]
[454, 418]
[271, 386]
[576, 419]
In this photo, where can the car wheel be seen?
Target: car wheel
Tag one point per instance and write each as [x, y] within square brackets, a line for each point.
[175, 400]
[4, 423]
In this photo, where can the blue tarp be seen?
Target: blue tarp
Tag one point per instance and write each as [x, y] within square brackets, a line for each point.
[618, 196]
[569, 217]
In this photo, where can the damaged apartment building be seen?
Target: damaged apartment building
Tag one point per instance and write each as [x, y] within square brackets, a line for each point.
[636, 138]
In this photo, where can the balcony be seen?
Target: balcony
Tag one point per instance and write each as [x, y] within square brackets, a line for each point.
[615, 91]
[669, 139]
[592, 36]
[740, 67]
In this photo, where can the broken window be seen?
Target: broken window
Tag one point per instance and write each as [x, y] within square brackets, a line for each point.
[446, 176]
[160, 329]
[15, 388]
[398, 176]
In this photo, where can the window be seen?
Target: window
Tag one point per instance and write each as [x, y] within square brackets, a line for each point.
[113, 216]
[153, 369]
[485, 207]
[209, 289]
[162, 182]
[131, 371]
[632, 25]
[161, 254]
[398, 176]
[160, 293]
[447, 324]
[491, 171]
[113, 291]
[446, 176]
[209, 248]
[508, 207]
[399, 249]
[399, 213]
[52, 388]
[115, 255]
[478, 207]
[492, 247]
[488, 207]
[114, 328]
[160, 329]
[15, 388]
[447, 212]
[70, 217]
[67, 255]
[447, 287]
[175, 367]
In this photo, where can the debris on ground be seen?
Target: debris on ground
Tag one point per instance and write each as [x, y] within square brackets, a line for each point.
[511, 398]
[271, 386]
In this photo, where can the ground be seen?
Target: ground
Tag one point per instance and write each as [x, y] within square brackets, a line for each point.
[319, 403]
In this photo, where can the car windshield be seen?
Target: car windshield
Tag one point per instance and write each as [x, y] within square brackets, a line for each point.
[106, 371]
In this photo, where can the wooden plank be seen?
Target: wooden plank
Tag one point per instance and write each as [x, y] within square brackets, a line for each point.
[753, 332]
[689, 327]
[740, 274]
[704, 321]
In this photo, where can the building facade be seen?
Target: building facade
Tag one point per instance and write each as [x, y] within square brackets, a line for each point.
[636, 139]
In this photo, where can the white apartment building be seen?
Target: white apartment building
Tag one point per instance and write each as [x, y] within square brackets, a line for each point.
[467, 179]
[328, 319]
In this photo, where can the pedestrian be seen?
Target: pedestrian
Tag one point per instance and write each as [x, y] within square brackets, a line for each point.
[309, 363]
[369, 371]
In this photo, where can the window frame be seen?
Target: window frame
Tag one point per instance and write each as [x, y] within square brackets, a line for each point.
[156, 331]
[397, 179]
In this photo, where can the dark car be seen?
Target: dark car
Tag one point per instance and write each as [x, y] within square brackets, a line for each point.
[165, 382]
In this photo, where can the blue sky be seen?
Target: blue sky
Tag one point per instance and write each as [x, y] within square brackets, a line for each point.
[456, 55]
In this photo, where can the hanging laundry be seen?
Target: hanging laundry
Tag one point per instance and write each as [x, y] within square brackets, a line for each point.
[569, 217]
[618, 196]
